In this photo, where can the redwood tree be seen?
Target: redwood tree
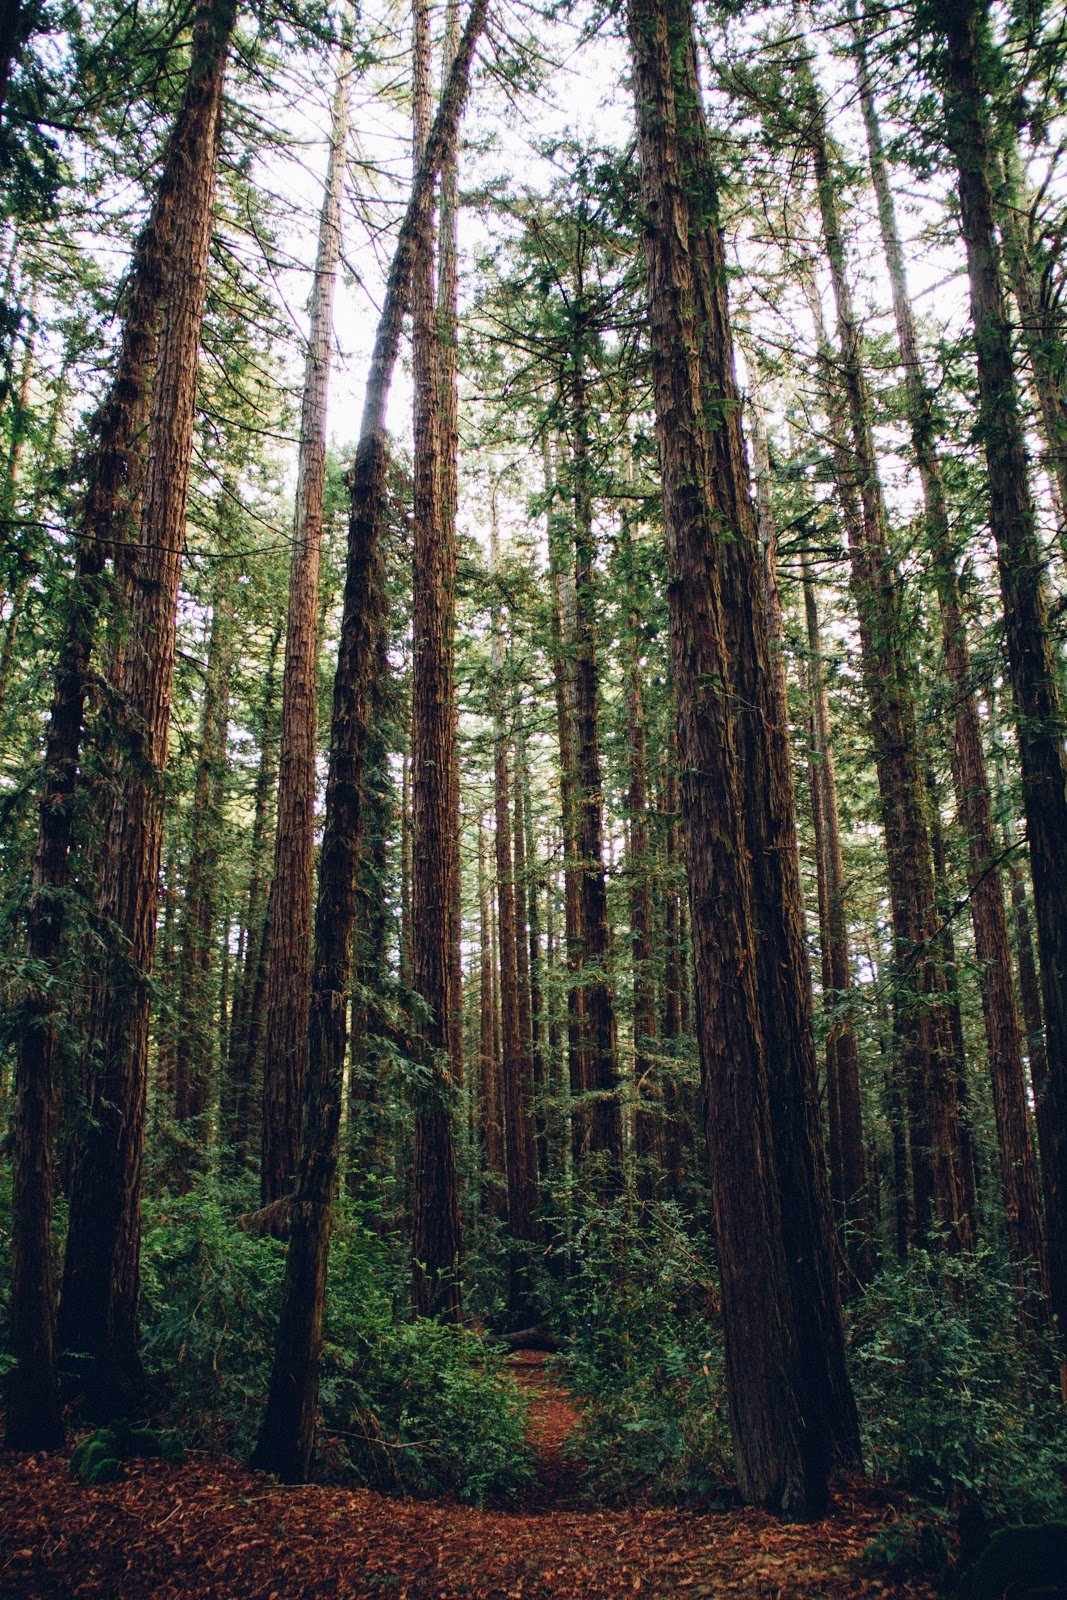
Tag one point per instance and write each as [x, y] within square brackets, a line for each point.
[98, 1310]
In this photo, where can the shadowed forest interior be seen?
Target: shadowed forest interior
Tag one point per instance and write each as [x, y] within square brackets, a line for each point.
[533, 798]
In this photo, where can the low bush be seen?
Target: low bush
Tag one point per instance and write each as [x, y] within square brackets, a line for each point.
[956, 1403]
[644, 1357]
[415, 1407]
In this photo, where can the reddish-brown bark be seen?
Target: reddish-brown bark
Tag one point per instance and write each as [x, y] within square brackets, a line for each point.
[101, 1276]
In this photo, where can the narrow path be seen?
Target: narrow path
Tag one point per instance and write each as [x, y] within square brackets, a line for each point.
[553, 1419]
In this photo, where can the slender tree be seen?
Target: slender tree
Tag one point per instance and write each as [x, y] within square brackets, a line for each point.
[1040, 723]
[289, 935]
[434, 883]
[988, 915]
[108, 515]
[287, 1435]
[920, 998]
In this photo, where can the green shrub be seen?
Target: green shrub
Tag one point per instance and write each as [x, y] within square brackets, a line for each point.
[644, 1357]
[910, 1547]
[209, 1302]
[414, 1407]
[100, 1457]
[955, 1403]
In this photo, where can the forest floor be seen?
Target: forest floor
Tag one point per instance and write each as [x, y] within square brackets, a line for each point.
[213, 1529]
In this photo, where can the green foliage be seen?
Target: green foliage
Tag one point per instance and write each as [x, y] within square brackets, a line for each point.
[645, 1356]
[910, 1547]
[416, 1407]
[209, 1293]
[955, 1404]
[100, 1457]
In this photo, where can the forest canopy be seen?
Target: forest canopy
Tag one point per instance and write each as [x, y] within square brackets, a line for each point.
[533, 765]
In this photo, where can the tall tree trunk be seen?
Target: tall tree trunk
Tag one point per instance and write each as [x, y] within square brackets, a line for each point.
[101, 1278]
[517, 1111]
[988, 915]
[533, 923]
[108, 514]
[1040, 723]
[195, 1041]
[287, 1435]
[492, 1127]
[605, 1114]
[648, 1090]
[563, 682]
[436, 1239]
[289, 935]
[788, 1400]
[922, 1010]
[842, 1058]
[947, 951]
[448, 447]
[246, 1025]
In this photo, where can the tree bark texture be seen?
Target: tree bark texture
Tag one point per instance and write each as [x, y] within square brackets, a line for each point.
[436, 1236]
[101, 1277]
[782, 1433]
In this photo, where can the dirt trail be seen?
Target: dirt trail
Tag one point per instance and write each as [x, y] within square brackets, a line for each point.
[553, 1420]
[211, 1530]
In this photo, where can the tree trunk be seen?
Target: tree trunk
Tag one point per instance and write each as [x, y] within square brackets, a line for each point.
[517, 1112]
[109, 509]
[246, 1027]
[842, 1059]
[448, 447]
[195, 1040]
[1040, 723]
[783, 1416]
[436, 1239]
[533, 922]
[988, 916]
[101, 1279]
[563, 682]
[492, 1126]
[921, 1007]
[648, 1090]
[287, 1435]
[289, 936]
[605, 1113]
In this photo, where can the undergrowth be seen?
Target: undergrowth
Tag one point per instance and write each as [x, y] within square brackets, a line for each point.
[413, 1407]
[957, 1403]
[644, 1357]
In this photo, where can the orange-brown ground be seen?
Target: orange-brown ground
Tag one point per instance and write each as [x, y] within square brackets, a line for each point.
[213, 1529]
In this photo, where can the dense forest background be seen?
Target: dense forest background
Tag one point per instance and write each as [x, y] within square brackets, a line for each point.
[533, 749]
